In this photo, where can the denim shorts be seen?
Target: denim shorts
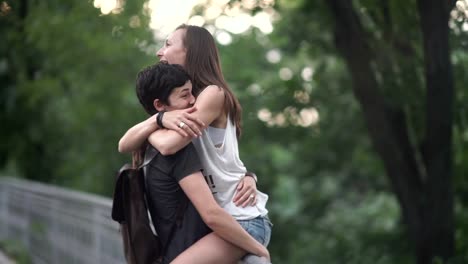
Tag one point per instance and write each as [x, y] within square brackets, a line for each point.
[259, 228]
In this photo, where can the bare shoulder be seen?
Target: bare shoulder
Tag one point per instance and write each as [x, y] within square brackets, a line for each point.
[212, 92]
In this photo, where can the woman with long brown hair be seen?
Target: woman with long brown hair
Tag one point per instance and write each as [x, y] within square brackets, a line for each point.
[194, 48]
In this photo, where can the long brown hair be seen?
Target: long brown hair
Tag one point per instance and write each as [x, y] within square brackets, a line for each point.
[203, 65]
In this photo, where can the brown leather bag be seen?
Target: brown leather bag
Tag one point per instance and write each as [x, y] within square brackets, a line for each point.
[129, 208]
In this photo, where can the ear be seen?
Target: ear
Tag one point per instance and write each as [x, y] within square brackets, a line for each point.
[158, 105]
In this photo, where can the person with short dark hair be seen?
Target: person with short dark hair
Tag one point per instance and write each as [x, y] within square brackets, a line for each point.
[175, 182]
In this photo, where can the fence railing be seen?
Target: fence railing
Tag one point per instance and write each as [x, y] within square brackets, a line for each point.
[58, 225]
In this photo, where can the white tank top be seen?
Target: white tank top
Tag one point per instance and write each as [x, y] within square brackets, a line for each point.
[216, 135]
[223, 170]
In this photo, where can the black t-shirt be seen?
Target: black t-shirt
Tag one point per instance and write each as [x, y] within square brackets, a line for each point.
[165, 195]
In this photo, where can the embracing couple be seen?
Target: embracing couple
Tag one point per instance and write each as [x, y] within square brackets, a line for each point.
[194, 128]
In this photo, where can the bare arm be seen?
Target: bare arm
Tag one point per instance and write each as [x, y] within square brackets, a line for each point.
[140, 132]
[137, 134]
[209, 106]
[217, 218]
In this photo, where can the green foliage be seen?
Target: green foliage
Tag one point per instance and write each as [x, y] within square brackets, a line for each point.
[316, 176]
[329, 198]
[67, 95]
[69, 90]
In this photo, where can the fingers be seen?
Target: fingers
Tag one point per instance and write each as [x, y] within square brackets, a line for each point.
[239, 192]
[250, 200]
[239, 187]
[246, 192]
[245, 197]
[181, 132]
[184, 122]
[242, 196]
[191, 109]
[190, 127]
[195, 123]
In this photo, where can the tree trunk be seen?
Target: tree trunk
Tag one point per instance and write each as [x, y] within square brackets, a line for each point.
[425, 196]
[437, 146]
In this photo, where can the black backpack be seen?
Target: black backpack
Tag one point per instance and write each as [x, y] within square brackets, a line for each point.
[129, 208]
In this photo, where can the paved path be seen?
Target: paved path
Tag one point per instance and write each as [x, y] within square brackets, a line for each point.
[4, 259]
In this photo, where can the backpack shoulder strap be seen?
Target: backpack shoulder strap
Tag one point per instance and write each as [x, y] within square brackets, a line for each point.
[150, 153]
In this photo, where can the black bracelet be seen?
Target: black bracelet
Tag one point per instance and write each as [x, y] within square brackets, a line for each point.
[251, 174]
[159, 119]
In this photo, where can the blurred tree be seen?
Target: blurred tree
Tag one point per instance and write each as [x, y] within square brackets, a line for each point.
[420, 172]
[67, 88]
[308, 93]
[399, 65]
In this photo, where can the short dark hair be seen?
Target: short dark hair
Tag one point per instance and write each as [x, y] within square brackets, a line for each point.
[157, 82]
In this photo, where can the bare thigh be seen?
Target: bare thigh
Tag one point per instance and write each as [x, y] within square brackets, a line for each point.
[210, 249]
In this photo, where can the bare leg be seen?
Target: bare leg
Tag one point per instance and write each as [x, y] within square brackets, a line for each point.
[211, 249]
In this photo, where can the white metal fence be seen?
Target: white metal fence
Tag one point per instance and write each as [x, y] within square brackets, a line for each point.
[57, 225]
